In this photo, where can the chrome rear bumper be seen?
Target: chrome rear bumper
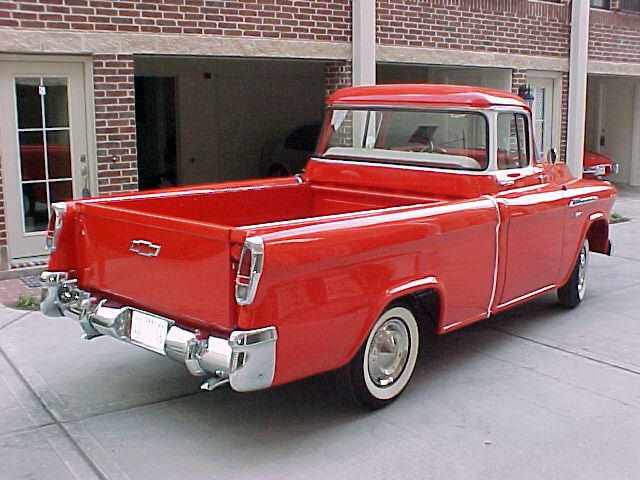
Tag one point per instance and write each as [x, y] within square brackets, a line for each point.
[246, 360]
[602, 169]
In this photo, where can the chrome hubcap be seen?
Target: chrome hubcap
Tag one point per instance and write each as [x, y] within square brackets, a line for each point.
[582, 271]
[388, 352]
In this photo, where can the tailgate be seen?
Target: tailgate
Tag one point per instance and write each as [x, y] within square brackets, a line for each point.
[176, 268]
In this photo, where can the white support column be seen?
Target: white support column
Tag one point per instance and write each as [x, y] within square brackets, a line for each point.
[364, 42]
[635, 147]
[578, 57]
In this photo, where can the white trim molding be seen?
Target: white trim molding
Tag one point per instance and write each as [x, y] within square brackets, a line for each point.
[88, 43]
[364, 42]
[435, 56]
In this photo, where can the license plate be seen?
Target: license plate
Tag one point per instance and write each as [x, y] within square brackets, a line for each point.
[149, 331]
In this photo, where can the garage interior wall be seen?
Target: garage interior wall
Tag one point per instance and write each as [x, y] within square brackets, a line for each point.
[609, 124]
[227, 108]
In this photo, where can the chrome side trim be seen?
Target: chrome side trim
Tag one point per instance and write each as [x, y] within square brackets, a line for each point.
[496, 262]
[576, 202]
[246, 360]
[419, 283]
[527, 296]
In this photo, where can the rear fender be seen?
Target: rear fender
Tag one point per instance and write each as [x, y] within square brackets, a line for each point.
[64, 257]
[598, 235]
[415, 292]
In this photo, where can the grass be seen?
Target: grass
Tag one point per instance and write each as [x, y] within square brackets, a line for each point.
[27, 302]
[617, 218]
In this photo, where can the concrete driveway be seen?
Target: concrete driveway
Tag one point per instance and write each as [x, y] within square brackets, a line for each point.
[538, 393]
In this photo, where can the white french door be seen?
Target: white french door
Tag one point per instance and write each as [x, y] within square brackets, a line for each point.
[546, 111]
[44, 146]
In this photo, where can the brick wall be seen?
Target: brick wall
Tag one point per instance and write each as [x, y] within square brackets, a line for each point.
[517, 27]
[114, 74]
[518, 77]
[113, 83]
[503, 26]
[564, 115]
[614, 36]
[285, 19]
[337, 75]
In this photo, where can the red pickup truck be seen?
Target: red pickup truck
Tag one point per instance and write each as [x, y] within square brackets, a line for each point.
[423, 209]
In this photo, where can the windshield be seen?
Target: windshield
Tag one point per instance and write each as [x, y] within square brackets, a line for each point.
[430, 138]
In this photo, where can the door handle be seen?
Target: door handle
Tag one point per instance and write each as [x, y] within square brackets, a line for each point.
[84, 171]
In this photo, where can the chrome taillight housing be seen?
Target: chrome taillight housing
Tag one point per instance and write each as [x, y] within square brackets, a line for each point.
[249, 270]
[55, 225]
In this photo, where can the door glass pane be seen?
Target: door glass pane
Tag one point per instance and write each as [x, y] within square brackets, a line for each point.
[58, 154]
[28, 103]
[513, 141]
[45, 150]
[36, 210]
[32, 159]
[55, 102]
[539, 116]
[61, 191]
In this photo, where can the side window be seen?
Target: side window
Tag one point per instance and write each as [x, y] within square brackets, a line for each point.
[513, 141]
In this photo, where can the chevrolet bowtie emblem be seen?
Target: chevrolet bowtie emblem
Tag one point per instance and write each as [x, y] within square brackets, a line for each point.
[144, 248]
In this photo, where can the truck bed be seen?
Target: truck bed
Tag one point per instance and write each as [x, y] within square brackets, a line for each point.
[160, 251]
[246, 206]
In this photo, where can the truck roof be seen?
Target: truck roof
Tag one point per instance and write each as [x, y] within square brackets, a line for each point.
[426, 94]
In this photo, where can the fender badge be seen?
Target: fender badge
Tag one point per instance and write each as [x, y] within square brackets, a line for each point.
[144, 248]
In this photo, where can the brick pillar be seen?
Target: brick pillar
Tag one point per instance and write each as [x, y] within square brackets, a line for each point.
[337, 75]
[4, 258]
[518, 77]
[564, 116]
[113, 82]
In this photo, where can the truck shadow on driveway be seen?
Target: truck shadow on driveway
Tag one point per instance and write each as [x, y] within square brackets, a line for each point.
[444, 361]
[121, 404]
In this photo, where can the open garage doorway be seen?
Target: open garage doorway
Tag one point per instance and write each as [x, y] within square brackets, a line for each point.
[612, 124]
[156, 132]
[209, 119]
[476, 76]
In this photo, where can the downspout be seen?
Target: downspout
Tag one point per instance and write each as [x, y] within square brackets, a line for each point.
[578, 57]
[364, 42]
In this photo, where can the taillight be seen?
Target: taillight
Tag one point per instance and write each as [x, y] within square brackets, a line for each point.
[55, 225]
[249, 270]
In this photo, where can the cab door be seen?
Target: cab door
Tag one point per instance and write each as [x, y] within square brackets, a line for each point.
[532, 216]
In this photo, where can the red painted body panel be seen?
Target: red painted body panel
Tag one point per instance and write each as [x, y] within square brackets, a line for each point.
[426, 95]
[343, 241]
[325, 279]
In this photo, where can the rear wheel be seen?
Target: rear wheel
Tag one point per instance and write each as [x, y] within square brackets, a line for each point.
[382, 368]
[572, 292]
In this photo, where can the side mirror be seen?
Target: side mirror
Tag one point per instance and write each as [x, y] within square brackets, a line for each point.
[552, 156]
